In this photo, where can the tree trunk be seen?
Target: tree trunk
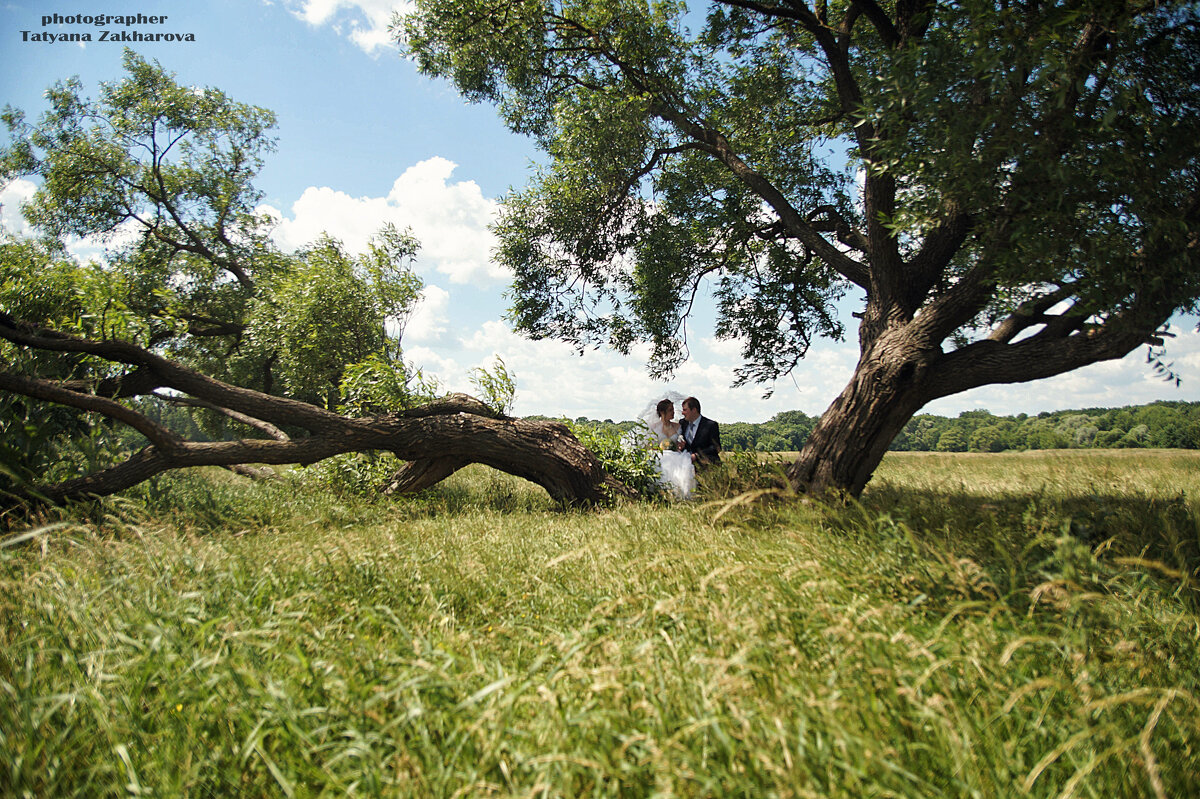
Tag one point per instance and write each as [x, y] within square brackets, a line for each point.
[901, 372]
[850, 440]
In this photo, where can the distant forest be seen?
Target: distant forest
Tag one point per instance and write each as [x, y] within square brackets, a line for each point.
[1163, 424]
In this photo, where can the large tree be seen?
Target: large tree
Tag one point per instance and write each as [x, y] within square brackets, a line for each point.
[1010, 185]
[292, 356]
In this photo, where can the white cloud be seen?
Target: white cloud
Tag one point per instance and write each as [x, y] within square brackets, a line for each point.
[436, 364]
[12, 197]
[428, 321]
[449, 219]
[364, 22]
[554, 380]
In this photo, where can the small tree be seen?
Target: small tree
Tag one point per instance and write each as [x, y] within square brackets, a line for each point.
[1028, 204]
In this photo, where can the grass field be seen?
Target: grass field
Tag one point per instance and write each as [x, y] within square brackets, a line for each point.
[979, 625]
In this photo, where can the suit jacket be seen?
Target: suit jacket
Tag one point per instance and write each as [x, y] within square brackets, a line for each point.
[707, 443]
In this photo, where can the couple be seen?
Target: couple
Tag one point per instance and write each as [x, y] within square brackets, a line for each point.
[693, 441]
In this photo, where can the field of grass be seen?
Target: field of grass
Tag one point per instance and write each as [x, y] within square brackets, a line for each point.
[979, 625]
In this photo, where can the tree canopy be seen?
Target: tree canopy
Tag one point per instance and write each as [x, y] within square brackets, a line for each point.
[1010, 186]
[285, 357]
[163, 173]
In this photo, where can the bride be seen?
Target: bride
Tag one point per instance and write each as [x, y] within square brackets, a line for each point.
[677, 470]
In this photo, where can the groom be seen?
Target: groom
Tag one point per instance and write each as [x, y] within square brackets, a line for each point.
[701, 436]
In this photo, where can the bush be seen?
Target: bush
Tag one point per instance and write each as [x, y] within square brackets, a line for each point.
[357, 473]
[634, 466]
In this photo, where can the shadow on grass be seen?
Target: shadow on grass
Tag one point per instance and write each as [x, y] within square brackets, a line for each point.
[1164, 533]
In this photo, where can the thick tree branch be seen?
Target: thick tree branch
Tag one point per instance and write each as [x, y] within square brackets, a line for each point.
[277, 410]
[418, 475]
[928, 265]
[719, 147]
[48, 391]
[205, 327]
[450, 404]
[835, 223]
[542, 452]
[133, 384]
[879, 20]
[1030, 313]
[1052, 351]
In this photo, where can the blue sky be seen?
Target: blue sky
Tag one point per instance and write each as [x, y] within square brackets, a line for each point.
[363, 139]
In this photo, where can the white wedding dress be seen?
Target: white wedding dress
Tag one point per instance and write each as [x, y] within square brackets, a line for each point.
[676, 470]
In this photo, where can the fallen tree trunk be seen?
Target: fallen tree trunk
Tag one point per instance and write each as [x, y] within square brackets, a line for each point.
[438, 438]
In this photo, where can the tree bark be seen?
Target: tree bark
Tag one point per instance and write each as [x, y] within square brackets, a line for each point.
[889, 385]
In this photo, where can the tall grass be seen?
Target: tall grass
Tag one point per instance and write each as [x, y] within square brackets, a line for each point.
[952, 635]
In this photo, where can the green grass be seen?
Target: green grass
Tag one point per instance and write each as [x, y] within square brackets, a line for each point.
[1004, 625]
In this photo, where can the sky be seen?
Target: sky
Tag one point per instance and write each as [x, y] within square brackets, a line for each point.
[363, 139]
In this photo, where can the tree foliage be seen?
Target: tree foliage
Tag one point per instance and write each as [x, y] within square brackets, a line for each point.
[164, 173]
[1010, 185]
[332, 309]
[195, 315]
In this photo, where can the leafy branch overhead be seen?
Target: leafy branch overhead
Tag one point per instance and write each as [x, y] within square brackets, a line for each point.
[1009, 188]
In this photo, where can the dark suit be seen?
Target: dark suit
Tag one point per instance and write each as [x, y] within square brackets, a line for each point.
[707, 443]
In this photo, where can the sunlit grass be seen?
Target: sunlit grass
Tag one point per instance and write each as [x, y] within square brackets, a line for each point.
[1162, 474]
[958, 633]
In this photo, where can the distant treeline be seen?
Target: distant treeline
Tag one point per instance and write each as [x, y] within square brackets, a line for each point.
[1160, 425]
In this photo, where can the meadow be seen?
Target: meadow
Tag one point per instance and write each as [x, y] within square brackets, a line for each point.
[1016, 624]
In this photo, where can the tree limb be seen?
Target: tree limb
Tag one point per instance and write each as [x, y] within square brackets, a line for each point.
[418, 475]
[1030, 313]
[47, 391]
[719, 147]
[277, 410]
[879, 19]
[1065, 344]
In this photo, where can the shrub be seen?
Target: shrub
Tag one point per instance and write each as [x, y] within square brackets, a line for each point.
[634, 466]
[357, 473]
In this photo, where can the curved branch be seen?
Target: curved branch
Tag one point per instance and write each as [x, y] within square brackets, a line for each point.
[1030, 313]
[719, 147]
[136, 383]
[452, 403]
[544, 453]
[277, 410]
[835, 223]
[47, 391]
[879, 20]
[1059, 348]
[419, 475]
[928, 265]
